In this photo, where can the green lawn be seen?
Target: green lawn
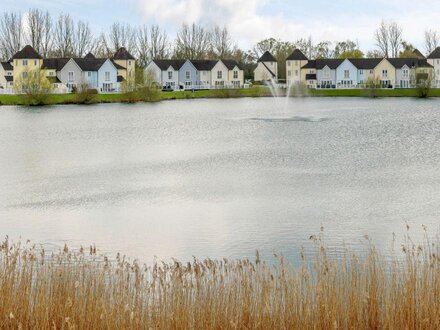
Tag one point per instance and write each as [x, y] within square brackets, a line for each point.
[256, 91]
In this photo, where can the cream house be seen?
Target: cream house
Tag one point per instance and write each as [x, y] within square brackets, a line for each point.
[267, 68]
[126, 65]
[6, 76]
[294, 64]
[25, 62]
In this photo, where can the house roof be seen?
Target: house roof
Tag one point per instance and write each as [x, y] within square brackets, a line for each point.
[123, 54]
[365, 63]
[417, 53]
[311, 76]
[297, 55]
[165, 64]
[120, 79]
[204, 65]
[9, 78]
[28, 52]
[409, 62]
[273, 74]
[54, 63]
[54, 80]
[231, 64]
[435, 53]
[89, 56]
[310, 65]
[332, 63]
[90, 64]
[7, 66]
[267, 57]
[119, 67]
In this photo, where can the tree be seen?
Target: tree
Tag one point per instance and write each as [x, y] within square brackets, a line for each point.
[64, 36]
[374, 54]
[407, 50]
[35, 87]
[266, 45]
[321, 50]
[382, 39]
[10, 34]
[389, 39]
[395, 38]
[192, 42]
[432, 40]
[38, 31]
[83, 39]
[121, 35]
[221, 43]
[347, 49]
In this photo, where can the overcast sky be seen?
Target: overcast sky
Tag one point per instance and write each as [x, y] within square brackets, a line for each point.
[252, 20]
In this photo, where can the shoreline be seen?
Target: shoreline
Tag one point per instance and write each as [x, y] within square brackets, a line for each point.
[257, 91]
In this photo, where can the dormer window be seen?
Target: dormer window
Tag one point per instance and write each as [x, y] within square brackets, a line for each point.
[188, 75]
[170, 74]
[235, 74]
[219, 74]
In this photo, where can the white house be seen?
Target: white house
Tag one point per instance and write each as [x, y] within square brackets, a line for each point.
[220, 75]
[164, 72]
[6, 77]
[434, 60]
[236, 73]
[267, 68]
[326, 72]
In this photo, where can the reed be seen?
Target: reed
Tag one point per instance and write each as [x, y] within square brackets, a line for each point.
[81, 290]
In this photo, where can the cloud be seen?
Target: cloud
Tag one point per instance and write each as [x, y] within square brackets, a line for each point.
[244, 19]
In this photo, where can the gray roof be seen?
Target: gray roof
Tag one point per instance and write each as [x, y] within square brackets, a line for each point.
[311, 76]
[365, 63]
[332, 63]
[123, 54]
[7, 66]
[409, 62]
[90, 64]
[28, 52]
[267, 57]
[231, 64]
[417, 53]
[165, 64]
[310, 65]
[435, 53]
[9, 78]
[204, 65]
[297, 55]
[54, 63]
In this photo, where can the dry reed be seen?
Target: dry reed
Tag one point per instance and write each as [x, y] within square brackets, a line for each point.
[82, 290]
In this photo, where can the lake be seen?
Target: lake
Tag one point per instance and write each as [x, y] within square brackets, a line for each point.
[220, 178]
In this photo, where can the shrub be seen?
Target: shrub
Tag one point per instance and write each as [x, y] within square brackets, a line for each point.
[85, 95]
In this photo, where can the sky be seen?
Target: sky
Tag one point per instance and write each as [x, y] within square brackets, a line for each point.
[250, 21]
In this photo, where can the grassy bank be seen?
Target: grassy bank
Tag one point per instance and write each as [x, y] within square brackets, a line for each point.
[256, 91]
[81, 290]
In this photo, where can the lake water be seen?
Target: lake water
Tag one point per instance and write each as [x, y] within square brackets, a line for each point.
[220, 178]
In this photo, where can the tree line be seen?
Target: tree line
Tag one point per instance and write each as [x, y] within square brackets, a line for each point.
[62, 36]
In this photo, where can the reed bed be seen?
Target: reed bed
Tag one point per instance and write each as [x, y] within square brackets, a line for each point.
[81, 290]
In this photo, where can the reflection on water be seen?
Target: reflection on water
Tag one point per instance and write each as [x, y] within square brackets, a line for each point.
[220, 178]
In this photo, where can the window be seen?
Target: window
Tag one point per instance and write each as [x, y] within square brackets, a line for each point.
[296, 73]
[35, 62]
[24, 75]
[371, 71]
[170, 74]
[51, 73]
[361, 71]
[89, 74]
[235, 74]
[288, 63]
[187, 75]
[71, 77]
[129, 63]
[346, 74]
[25, 62]
[296, 63]
[187, 84]
[405, 73]
[289, 73]
[438, 61]
[219, 74]
[384, 73]
[107, 76]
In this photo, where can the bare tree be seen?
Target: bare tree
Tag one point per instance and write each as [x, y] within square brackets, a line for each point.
[64, 36]
[83, 39]
[121, 35]
[382, 39]
[100, 47]
[221, 42]
[432, 40]
[395, 38]
[10, 34]
[152, 43]
[192, 42]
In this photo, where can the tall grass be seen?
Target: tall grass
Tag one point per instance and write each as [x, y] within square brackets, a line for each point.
[81, 290]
